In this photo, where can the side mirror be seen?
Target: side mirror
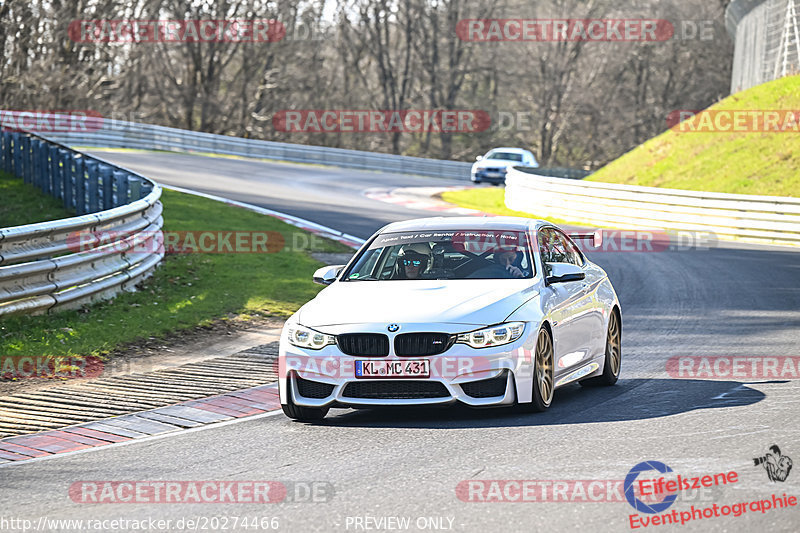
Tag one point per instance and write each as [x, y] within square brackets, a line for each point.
[563, 273]
[478, 158]
[327, 274]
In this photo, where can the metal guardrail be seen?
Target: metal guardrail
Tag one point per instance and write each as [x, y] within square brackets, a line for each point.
[558, 172]
[740, 217]
[767, 37]
[123, 134]
[113, 244]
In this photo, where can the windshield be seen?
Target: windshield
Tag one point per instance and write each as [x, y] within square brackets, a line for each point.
[465, 254]
[506, 156]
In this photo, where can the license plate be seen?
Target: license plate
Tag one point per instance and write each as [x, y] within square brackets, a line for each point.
[493, 175]
[393, 369]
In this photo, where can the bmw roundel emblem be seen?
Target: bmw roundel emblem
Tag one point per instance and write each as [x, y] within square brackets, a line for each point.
[393, 327]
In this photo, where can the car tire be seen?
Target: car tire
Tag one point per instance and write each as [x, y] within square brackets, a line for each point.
[613, 359]
[543, 381]
[300, 413]
[476, 182]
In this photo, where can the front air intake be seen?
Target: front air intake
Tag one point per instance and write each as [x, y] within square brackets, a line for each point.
[363, 344]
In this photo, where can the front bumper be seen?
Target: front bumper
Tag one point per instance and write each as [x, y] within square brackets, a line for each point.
[477, 378]
[489, 177]
[387, 392]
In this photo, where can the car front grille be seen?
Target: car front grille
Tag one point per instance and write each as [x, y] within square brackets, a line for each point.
[313, 389]
[422, 344]
[363, 344]
[486, 388]
[395, 390]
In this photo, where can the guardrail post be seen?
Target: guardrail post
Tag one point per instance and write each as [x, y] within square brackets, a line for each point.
[93, 177]
[25, 142]
[60, 171]
[30, 160]
[36, 162]
[44, 167]
[107, 192]
[16, 153]
[120, 188]
[79, 173]
[135, 188]
[67, 162]
[3, 150]
[44, 154]
[41, 155]
[52, 183]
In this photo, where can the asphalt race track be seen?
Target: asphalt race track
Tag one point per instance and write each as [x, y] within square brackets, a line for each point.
[724, 301]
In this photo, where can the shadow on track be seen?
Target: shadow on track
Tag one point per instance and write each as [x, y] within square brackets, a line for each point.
[572, 404]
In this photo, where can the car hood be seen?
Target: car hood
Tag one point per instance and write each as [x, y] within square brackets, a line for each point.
[474, 302]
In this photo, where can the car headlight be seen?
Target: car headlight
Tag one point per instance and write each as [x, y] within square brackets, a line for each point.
[493, 336]
[308, 338]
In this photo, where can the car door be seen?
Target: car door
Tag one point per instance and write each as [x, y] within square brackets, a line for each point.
[591, 319]
[570, 305]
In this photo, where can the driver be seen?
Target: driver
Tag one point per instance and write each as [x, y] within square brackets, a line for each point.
[505, 257]
[412, 261]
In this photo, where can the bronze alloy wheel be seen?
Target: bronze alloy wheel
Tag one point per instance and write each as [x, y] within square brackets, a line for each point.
[613, 360]
[614, 345]
[543, 381]
[544, 366]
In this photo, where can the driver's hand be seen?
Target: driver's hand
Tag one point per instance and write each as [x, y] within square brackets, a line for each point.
[514, 271]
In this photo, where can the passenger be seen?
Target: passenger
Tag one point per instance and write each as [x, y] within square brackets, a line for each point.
[506, 258]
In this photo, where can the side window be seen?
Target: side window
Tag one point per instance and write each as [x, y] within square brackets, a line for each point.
[556, 250]
[555, 247]
[573, 255]
[367, 262]
[546, 248]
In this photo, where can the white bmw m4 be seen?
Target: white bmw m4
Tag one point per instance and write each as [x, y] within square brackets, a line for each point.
[493, 311]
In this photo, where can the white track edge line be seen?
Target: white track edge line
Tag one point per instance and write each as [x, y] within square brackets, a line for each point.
[295, 221]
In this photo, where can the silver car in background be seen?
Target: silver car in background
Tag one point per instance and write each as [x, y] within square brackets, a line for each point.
[487, 312]
[492, 167]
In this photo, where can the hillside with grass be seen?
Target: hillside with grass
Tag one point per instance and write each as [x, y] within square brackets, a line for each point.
[766, 163]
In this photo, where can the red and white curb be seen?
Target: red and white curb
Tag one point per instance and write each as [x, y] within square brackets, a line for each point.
[191, 414]
[422, 198]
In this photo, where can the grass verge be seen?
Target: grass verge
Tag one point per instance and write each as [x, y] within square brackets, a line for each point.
[187, 290]
[744, 163]
[22, 203]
